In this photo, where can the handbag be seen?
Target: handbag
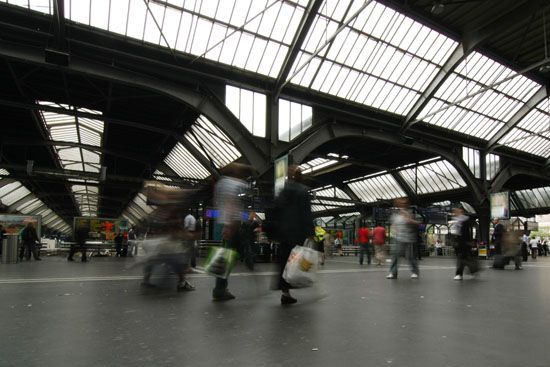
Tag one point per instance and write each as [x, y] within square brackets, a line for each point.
[220, 261]
[301, 267]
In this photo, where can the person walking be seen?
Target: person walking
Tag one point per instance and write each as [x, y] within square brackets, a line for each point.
[404, 231]
[119, 238]
[464, 256]
[364, 245]
[379, 240]
[229, 193]
[79, 242]
[295, 222]
[534, 247]
[524, 246]
[29, 239]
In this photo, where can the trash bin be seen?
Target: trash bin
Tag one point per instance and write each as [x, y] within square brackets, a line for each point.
[10, 247]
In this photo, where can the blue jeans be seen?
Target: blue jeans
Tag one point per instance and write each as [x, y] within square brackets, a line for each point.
[407, 249]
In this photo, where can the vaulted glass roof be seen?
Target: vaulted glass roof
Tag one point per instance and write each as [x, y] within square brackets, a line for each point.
[379, 186]
[381, 59]
[68, 128]
[251, 35]
[433, 177]
[481, 103]
[532, 133]
[86, 196]
[22, 201]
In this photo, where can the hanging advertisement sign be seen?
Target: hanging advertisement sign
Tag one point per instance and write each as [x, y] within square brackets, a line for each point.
[281, 172]
[500, 205]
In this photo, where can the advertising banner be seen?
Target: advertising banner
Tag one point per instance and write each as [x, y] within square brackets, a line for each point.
[103, 229]
[14, 224]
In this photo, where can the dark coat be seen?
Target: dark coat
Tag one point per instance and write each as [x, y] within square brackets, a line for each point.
[294, 212]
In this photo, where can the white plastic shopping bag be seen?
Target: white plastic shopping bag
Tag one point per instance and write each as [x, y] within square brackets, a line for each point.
[301, 267]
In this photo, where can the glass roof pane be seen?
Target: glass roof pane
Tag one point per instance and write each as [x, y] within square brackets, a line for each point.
[376, 187]
[316, 164]
[391, 52]
[29, 206]
[208, 139]
[15, 195]
[433, 177]
[224, 31]
[43, 6]
[481, 115]
[331, 191]
[529, 197]
[532, 133]
[183, 163]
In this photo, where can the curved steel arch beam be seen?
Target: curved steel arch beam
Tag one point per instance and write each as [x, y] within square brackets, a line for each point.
[509, 171]
[340, 130]
[205, 103]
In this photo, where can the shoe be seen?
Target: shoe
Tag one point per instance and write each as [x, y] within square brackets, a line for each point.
[185, 287]
[227, 296]
[70, 259]
[519, 267]
[288, 299]
[414, 276]
[146, 285]
[39, 259]
[391, 276]
[458, 277]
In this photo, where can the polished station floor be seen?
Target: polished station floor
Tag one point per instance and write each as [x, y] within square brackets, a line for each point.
[55, 313]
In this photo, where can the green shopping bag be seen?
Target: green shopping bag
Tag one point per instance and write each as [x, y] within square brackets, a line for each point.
[220, 261]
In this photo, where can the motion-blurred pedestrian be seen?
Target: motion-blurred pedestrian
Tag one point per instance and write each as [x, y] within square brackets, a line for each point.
[295, 223]
[404, 231]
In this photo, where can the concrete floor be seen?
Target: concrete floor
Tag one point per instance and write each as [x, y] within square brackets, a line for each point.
[54, 313]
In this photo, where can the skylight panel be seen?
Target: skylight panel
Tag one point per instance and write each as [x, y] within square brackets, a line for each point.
[16, 194]
[382, 59]
[532, 133]
[381, 187]
[481, 107]
[433, 177]
[208, 139]
[534, 198]
[249, 107]
[331, 191]
[183, 163]
[224, 31]
[316, 164]
[138, 208]
[43, 6]
[294, 119]
[29, 206]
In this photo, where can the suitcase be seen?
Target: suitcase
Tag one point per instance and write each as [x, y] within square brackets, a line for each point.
[500, 261]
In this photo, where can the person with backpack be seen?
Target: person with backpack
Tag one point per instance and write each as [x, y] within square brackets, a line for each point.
[29, 238]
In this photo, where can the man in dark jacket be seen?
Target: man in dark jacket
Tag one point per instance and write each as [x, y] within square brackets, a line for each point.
[80, 236]
[463, 245]
[29, 238]
[295, 223]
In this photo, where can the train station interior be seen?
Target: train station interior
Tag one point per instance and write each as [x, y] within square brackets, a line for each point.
[112, 111]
